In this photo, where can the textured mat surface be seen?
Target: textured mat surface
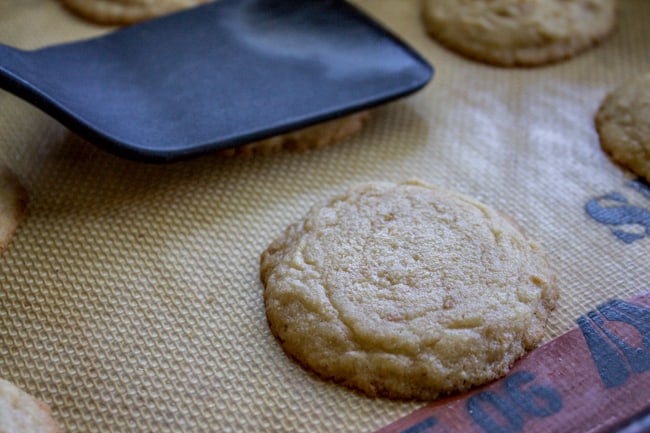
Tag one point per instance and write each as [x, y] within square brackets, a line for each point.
[130, 298]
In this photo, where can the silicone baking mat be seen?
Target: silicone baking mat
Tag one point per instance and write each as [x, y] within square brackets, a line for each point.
[130, 298]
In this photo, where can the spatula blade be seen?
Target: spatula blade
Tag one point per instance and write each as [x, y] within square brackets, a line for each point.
[222, 75]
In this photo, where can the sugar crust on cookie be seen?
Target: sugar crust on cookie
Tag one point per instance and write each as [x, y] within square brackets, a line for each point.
[406, 291]
[22, 413]
[13, 204]
[126, 11]
[623, 124]
[519, 32]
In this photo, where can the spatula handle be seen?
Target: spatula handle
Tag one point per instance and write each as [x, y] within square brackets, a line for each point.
[12, 62]
[16, 76]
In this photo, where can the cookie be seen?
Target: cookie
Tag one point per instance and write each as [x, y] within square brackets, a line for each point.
[519, 32]
[311, 137]
[406, 291]
[22, 413]
[13, 204]
[126, 11]
[623, 125]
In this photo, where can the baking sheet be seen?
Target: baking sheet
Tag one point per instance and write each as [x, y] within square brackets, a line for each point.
[130, 298]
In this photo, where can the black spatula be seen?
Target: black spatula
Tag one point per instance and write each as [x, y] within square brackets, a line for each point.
[216, 76]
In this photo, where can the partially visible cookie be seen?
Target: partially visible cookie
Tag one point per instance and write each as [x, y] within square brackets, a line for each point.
[126, 11]
[519, 32]
[13, 203]
[623, 124]
[406, 291]
[312, 137]
[22, 413]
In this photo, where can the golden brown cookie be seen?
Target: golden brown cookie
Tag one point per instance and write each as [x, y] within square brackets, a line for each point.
[126, 11]
[13, 204]
[406, 291]
[312, 137]
[519, 32]
[623, 124]
[22, 413]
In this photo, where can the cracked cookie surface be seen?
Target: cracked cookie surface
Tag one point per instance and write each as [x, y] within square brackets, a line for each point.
[406, 291]
[519, 32]
[623, 124]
